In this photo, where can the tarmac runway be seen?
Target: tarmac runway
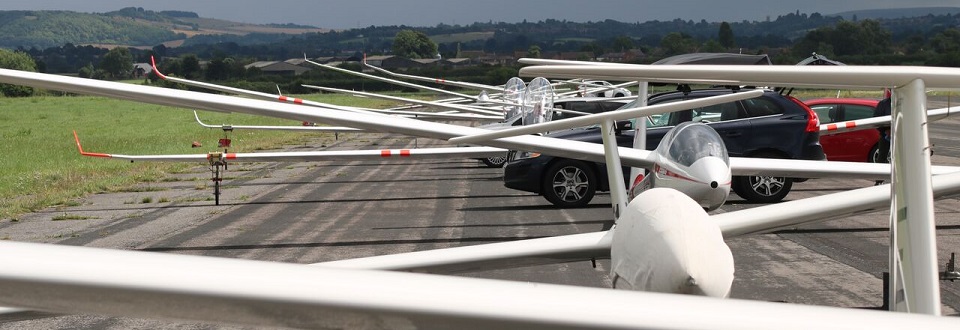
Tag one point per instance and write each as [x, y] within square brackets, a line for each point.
[320, 211]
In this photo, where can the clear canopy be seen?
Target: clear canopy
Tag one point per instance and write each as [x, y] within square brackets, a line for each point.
[513, 93]
[690, 141]
[538, 101]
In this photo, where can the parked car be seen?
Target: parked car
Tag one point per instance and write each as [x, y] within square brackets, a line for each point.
[772, 126]
[589, 105]
[615, 92]
[856, 146]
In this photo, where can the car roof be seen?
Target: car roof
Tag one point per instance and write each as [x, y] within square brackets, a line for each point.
[857, 101]
[707, 91]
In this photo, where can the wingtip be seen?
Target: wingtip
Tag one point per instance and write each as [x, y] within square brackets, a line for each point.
[77, 139]
[156, 71]
[84, 153]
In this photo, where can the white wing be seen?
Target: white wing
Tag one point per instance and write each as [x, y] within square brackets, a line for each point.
[584, 247]
[462, 108]
[277, 128]
[307, 156]
[814, 76]
[463, 84]
[259, 293]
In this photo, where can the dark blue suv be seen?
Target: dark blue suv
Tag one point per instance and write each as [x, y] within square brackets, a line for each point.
[770, 126]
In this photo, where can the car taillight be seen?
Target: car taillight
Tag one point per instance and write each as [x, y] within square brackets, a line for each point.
[813, 122]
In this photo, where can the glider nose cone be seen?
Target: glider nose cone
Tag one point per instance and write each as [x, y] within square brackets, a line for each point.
[715, 173]
[666, 242]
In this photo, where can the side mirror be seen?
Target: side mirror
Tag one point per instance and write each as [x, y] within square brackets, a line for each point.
[622, 126]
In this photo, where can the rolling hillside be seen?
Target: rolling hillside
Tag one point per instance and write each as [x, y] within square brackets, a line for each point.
[125, 27]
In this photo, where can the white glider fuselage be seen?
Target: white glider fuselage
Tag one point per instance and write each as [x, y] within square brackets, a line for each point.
[692, 159]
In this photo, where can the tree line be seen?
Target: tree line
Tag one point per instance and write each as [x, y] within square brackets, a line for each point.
[865, 42]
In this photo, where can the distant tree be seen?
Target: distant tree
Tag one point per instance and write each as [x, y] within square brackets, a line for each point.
[117, 63]
[533, 51]
[676, 43]
[947, 41]
[413, 44]
[622, 44]
[218, 69]
[594, 48]
[86, 71]
[725, 36]
[190, 66]
[713, 46]
[17, 61]
[846, 38]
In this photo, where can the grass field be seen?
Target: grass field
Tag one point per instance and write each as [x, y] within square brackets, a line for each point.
[40, 166]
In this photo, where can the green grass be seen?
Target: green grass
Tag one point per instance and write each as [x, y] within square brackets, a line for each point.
[40, 166]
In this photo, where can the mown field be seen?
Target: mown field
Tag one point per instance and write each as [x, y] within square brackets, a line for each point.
[40, 165]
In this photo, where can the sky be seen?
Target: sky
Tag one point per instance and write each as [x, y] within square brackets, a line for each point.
[363, 13]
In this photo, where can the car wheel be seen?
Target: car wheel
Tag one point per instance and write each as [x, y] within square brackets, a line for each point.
[874, 155]
[762, 189]
[569, 183]
[619, 95]
[495, 162]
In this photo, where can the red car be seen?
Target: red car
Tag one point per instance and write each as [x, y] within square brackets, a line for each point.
[856, 146]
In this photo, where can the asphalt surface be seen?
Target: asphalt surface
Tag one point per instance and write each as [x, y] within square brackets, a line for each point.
[320, 211]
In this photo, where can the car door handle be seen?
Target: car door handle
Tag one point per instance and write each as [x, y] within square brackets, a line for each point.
[733, 133]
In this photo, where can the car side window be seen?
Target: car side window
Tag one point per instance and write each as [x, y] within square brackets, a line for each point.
[610, 106]
[666, 119]
[710, 114]
[827, 112]
[854, 112]
[588, 107]
[759, 106]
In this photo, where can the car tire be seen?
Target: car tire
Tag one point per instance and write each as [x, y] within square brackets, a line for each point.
[495, 162]
[874, 155]
[569, 183]
[619, 95]
[762, 189]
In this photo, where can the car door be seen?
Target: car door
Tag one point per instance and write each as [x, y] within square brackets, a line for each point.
[729, 121]
[851, 146]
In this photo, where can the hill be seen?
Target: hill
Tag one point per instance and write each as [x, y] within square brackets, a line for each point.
[895, 13]
[126, 27]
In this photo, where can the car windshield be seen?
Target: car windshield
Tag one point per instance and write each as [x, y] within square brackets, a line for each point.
[688, 142]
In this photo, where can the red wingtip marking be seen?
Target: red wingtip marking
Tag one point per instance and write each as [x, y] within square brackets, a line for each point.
[404, 152]
[83, 153]
[77, 138]
[384, 153]
[153, 63]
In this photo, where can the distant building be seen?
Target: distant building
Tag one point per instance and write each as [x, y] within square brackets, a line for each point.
[392, 62]
[278, 68]
[141, 69]
[457, 61]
